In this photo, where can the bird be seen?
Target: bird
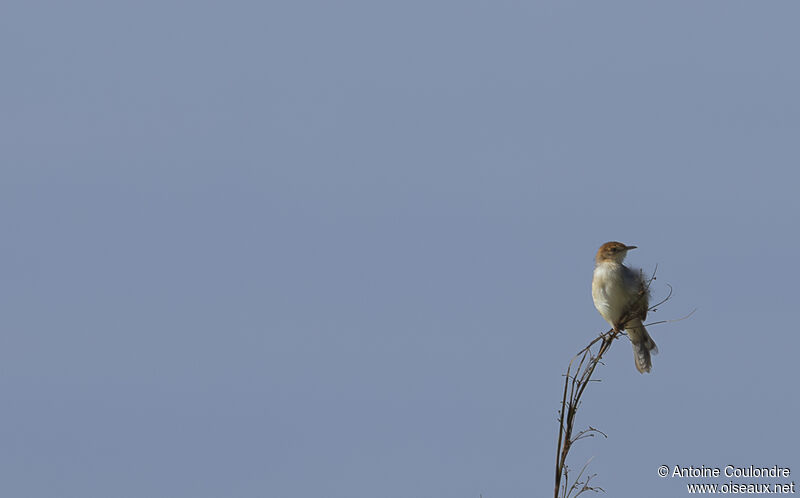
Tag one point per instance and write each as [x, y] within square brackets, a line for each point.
[622, 297]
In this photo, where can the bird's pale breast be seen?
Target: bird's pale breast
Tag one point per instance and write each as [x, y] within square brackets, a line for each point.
[610, 291]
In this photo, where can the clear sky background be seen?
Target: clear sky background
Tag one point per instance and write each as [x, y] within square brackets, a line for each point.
[344, 249]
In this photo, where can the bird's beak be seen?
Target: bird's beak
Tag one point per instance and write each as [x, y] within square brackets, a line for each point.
[628, 248]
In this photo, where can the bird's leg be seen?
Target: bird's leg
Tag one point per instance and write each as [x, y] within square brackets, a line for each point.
[626, 317]
[619, 325]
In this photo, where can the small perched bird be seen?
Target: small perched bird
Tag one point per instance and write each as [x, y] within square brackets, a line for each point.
[620, 293]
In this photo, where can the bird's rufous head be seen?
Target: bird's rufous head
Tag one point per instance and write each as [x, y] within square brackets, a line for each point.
[612, 251]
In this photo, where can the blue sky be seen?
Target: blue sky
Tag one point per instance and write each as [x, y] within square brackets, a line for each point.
[344, 249]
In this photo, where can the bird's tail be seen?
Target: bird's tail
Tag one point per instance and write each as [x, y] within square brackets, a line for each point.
[643, 345]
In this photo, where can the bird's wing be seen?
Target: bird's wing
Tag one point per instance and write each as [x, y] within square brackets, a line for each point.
[637, 287]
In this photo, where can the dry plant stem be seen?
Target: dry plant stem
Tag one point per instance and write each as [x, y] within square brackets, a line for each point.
[575, 383]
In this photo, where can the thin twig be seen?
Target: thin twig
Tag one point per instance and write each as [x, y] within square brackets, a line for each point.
[673, 320]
